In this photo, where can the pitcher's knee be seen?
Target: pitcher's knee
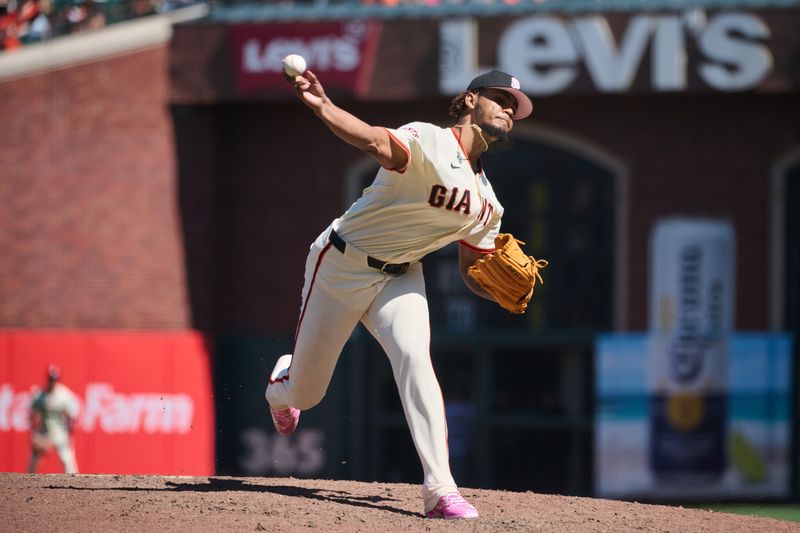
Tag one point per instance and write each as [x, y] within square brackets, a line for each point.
[291, 394]
[305, 399]
[305, 404]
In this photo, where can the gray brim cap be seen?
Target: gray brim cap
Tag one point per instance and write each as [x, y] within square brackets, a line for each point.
[496, 79]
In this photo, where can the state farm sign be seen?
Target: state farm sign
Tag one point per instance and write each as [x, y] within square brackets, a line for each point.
[145, 399]
[105, 410]
[547, 53]
[147, 412]
[342, 53]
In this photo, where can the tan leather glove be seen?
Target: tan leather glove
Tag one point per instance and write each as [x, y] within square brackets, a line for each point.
[508, 274]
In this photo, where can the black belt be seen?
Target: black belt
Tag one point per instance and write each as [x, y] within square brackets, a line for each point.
[395, 269]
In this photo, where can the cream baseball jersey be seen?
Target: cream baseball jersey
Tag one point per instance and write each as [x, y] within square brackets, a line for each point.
[55, 406]
[435, 200]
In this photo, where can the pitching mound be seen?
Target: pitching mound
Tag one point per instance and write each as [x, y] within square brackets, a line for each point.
[89, 504]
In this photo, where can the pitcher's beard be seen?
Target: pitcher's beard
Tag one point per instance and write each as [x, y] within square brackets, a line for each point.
[500, 136]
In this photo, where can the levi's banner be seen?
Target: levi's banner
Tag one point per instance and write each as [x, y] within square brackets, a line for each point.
[342, 54]
[144, 400]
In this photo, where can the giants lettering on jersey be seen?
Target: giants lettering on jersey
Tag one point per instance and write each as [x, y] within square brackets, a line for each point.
[442, 197]
[487, 209]
[439, 194]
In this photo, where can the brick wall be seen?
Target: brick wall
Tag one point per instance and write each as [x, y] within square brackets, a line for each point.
[89, 229]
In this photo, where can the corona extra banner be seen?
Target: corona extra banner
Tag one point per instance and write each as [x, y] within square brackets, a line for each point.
[144, 400]
[755, 456]
[692, 277]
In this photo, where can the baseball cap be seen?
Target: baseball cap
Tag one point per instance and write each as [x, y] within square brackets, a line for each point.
[496, 79]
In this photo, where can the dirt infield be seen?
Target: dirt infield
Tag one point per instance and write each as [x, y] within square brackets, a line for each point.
[86, 504]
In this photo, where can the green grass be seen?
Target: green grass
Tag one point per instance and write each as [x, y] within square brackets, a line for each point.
[789, 512]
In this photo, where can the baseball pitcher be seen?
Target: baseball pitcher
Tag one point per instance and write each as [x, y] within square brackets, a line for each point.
[431, 191]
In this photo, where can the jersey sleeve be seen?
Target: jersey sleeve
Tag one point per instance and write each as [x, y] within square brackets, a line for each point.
[409, 138]
[482, 239]
[482, 242]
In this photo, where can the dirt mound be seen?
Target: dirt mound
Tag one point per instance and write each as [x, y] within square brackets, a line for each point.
[88, 503]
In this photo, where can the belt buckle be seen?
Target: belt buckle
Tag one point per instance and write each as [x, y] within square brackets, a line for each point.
[402, 268]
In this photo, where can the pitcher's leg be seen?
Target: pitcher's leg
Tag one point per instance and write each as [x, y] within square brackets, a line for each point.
[33, 462]
[70, 462]
[301, 379]
[331, 307]
[399, 321]
[66, 453]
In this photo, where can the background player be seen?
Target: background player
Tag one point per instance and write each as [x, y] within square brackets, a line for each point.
[53, 415]
[431, 191]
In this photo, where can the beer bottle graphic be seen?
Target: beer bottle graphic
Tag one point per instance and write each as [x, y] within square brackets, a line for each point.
[691, 320]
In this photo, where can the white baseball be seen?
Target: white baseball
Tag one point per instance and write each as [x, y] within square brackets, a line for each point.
[294, 65]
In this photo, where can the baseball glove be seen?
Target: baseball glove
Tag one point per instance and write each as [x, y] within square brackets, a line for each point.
[508, 274]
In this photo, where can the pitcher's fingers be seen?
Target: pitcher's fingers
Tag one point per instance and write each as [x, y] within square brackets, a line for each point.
[302, 84]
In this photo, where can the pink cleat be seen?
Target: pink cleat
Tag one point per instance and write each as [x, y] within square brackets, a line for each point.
[452, 506]
[285, 420]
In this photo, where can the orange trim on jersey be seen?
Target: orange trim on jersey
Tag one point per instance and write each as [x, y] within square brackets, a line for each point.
[311, 288]
[473, 247]
[464, 151]
[406, 150]
[303, 312]
[458, 140]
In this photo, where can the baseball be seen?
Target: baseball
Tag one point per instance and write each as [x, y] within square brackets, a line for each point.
[294, 65]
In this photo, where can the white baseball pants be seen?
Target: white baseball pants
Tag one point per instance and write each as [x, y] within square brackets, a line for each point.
[66, 453]
[340, 290]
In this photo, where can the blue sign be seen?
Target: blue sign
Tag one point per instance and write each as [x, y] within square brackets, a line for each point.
[757, 429]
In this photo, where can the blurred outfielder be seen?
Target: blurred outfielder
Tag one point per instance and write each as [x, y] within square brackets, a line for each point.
[430, 191]
[53, 416]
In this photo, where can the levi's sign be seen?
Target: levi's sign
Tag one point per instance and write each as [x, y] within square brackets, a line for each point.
[727, 51]
[342, 53]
